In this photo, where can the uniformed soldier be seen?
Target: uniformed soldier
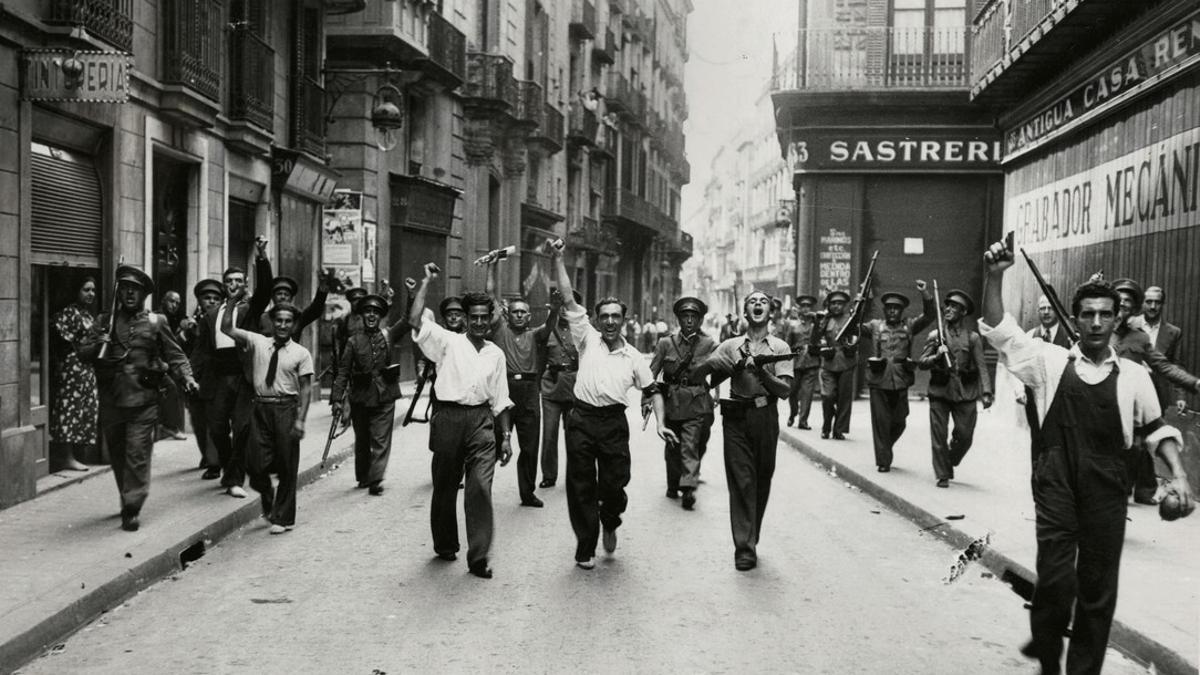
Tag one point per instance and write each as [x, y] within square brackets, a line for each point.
[373, 381]
[138, 351]
[954, 390]
[838, 367]
[561, 360]
[688, 405]
[750, 422]
[209, 294]
[890, 370]
[807, 363]
[283, 292]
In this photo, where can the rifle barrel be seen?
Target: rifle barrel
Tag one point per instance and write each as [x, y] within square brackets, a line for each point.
[1052, 296]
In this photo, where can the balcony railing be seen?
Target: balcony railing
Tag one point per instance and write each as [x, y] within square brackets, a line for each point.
[447, 46]
[1002, 25]
[550, 130]
[623, 97]
[308, 123]
[251, 79]
[588, 234]
[583, 19]
[531, 103]
[607, 52]
[109, 20]
[193, 45]
[638, 210]
[581, 125]
[876, 58]
[490, 78]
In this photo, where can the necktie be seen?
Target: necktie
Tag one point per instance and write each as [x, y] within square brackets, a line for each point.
[273, 364]
[1046, 335]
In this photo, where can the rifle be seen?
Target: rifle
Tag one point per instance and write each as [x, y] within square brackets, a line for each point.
[941, 322]
[425, 375]
[335, 425]
[1060, 310]
[112, 320]
[859, 309]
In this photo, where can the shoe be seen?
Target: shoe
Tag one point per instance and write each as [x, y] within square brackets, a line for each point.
[943, 482]
[178, 436]
[447, 556]
[129, 523]
[610, 540]
[883, 469]
[361, 484]
[211, 473]
[280, 529]
[482, 571]
[203, 464]
[672, 493]
[533, 501]
[235, 491]
[375, 490]
[689, 500]
[546, 483]
[586, 564]
[745, 564]
[791, 420]
[803, 425]
[824, 434]
[839, 436]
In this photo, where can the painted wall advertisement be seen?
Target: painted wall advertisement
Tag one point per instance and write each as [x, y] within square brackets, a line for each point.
[342, 238]
[833, 260]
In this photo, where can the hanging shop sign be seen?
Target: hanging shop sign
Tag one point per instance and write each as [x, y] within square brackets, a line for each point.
[889, 150]
[70, 75]
[1164, 55]
[342, 237]
[1150, 190]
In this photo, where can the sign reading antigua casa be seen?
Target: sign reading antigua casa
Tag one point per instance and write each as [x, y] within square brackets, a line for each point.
[858, 151]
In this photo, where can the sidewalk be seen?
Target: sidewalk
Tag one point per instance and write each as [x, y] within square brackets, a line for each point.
[1158, 611]
[64, 559]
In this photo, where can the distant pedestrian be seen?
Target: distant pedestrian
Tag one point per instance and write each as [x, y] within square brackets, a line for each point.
[807, 363]
[74, 409]
[649, 334]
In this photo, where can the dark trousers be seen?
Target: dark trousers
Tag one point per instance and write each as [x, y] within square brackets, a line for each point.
[228, 422]
[837, 395]
[129, 433]
[597, 473]
[750, 439]
[463, 442]
[801, 395]
[526, 419]
[683, 458]
[889, 417]
[552, 412]
[198, 415]
[170, 406]
[372, 441]
[274, 449]
[949, 450]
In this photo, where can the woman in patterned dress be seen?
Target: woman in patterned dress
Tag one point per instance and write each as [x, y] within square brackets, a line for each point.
[76, 407]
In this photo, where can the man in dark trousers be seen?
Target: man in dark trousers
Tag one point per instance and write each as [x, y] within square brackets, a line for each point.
[890, 369]
[839, 364]
[561, 362]
[281, 373]
[806, 366]
[209, 293]
[134, 351]
[954, 389]
[598, 433]
[374, 383]
[472, 398]
[225, 388]
[689, 406]
[750, 419]
[1091, 404]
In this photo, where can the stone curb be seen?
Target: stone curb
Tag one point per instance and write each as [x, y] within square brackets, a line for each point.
[1128, 640]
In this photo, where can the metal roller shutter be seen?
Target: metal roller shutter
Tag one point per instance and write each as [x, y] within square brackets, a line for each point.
[67, 208]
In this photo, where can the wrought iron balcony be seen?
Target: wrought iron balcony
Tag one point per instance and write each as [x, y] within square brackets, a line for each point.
[193, 45]
[109, 20]
[531, 103]
[251, 79]
[308, 116]
[875, 58]
[549, 134]
[607, 52]
[581, 126]
[590, 235]
[622, 97]
[490, 81]
[447, 47]
[636, 210]
[583, 20]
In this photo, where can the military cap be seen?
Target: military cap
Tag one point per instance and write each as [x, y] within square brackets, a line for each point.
[1132, 287]
[208, 286]
[960, 297]
[287, 283]
[894, 298]
[689, 304]
[811, 299]
[132, 275]
[837, 294]
[355, 294]
[450, 303]
[283, 307]
[372, 300]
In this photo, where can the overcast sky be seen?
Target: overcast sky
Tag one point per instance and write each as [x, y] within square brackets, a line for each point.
[729, 63]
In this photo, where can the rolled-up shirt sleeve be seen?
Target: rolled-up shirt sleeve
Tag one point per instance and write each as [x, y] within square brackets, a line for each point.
[498, 385]
[1023, 356]
[1147, 414]
[432, 340]
[642, 375]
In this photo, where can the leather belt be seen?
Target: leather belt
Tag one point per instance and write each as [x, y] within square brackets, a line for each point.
[276, 400]
[522, 376]
[588, 408]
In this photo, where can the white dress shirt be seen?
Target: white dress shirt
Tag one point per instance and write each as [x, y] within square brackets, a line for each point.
[222, 340]
[605, 376]
[465, 375]
[1039, 365]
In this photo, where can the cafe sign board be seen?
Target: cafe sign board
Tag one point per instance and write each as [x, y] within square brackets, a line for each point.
[71, 75]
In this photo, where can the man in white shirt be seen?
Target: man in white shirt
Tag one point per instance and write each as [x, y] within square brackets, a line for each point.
[281, 373]
[471, 390]
[1090, 405]
[598, 434]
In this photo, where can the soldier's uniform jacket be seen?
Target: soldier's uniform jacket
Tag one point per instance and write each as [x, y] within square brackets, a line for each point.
[363, 365]
[969, 379]
[840, 361]
[670, 355]
[141, 353]
[893, 344]
[799, 337]
[562, 364]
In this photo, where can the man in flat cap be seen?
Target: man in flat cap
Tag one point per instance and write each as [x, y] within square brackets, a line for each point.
[688, 404]
[283, 292]
[838, 367]
[560, 359]
[958, 379]
[281, 373]
[807, 363]
[890, 369]
[209, 294]
[136, 351]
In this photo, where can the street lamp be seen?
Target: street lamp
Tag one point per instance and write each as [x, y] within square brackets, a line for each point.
[387, 103]
[387, 116]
